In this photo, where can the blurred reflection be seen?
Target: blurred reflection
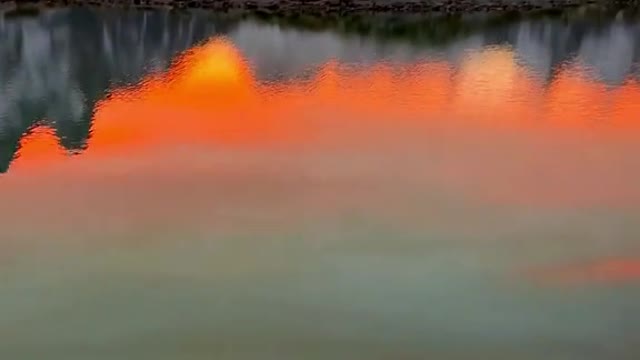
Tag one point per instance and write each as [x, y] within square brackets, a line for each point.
[211, 97]
[602, 271]
[259, 190]
[46, 79]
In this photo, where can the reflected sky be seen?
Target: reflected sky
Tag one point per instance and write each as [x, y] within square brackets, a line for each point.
[256, 189]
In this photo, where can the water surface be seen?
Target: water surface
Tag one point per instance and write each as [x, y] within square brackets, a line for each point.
[189, 185]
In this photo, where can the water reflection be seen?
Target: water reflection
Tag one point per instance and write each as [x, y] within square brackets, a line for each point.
[210, 97]
[46, 80]
[354, 197]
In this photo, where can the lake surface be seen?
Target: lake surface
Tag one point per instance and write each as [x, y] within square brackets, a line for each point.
[199, 186]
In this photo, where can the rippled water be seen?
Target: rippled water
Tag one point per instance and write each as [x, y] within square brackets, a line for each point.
[190, 186]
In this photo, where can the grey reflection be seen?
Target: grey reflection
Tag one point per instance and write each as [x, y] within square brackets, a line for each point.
[609, 43]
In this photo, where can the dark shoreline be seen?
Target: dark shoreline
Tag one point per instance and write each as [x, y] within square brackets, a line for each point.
[331, 7]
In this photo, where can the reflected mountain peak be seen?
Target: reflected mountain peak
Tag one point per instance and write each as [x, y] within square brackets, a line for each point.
[217, 61]
[38, 147]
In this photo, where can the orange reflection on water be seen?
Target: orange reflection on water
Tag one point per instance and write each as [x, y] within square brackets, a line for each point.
[39, 147]
[599, 271]
[210, 95]
[375, 138]
[489, 128]
[491, 85]
[626, 107]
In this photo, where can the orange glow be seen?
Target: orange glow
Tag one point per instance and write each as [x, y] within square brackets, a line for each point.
[38, 148]
[209, 96]
[492, 86]
[576, 101]
[200, 144]
[626, 107]
[603, 271]
[503, 135]
[217, 60]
